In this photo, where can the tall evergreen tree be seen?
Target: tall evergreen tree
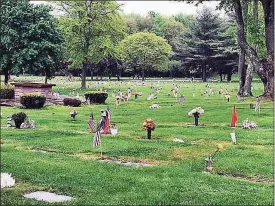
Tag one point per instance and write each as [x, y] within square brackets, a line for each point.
[205, 43]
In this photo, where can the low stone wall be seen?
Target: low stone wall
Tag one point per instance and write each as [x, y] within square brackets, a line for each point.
[22, 88]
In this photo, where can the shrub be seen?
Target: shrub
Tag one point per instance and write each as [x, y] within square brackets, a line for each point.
[19, 118]
[96, 97]
[71, 102]
[6, 91]
[33, 100]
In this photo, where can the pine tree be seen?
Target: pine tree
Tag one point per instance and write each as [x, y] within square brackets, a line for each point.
[205, 43]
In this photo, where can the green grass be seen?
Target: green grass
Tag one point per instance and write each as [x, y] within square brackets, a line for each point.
[176, 178]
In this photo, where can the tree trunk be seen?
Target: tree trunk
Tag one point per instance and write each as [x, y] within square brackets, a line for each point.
[203, 73]
[83, 75]
[92, 73]
[221, 76]
[6, 73]
[241, 71]
[268, 6]
[247, 83]
[229, 75]
[46, 79]
[143, 76]
[265, 71]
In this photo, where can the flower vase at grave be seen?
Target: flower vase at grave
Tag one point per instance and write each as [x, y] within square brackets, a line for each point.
[149, 133]
[196, 116]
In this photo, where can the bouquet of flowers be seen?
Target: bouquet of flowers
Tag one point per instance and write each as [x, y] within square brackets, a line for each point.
[249, 124]
[197, 110]
[149, 124]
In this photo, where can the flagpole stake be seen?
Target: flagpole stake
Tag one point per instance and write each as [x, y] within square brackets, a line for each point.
[100, 151]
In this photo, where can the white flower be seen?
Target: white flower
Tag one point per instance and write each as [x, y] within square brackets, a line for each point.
[249, 124]
[197, 109]
[7, 180]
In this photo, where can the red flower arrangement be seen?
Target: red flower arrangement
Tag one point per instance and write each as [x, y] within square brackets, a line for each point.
[149, 124]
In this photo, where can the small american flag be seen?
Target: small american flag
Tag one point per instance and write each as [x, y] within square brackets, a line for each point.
[109, 112]
[91, 124]
[97, 139]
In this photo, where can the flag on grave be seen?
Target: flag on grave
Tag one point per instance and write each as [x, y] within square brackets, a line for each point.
[108, 116]
[234, 117]
[91, 123]
[97, 139]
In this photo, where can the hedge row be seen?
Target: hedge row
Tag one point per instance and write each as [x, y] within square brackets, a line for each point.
[6, 91]
[96, 97]
[33, 100]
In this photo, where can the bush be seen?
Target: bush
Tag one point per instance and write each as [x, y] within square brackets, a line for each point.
[71, 102]
[96, 97]
[33, 100]
[6, 91]
[19, 118]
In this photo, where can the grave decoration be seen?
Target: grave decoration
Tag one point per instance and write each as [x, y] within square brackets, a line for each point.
[9, 121]
[117, 98]
[209, 161]
[196, 112]
[227, 96]
[247, 124]
[7, 180]
[150, 126]
[234, 119]
[233, 137]
[28, 124]
[18, 119]
[100, 129]
[73, 114]
[91, 123]
[181, 99]
[108, 119]
[114, 129]
[155, 106]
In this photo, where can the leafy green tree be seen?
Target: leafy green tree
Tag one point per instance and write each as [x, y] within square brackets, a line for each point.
[145, 51]
[91, 30]
[30, 41]
[186, 19]
[159, 23]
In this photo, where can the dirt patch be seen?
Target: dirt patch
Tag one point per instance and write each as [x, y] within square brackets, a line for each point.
[87, 156]
[243, 177]
[126, 163]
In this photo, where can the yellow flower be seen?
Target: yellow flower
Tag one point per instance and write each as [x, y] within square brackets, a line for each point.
[144, 123]
[219, 147]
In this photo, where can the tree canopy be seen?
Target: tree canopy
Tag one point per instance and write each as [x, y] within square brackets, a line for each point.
[91, 30]
[145, 51]
[30, 41]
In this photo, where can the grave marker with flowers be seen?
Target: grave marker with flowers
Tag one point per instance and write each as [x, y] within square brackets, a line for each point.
[209, 161]
[196, 112]
[150, 126]
[73, 114]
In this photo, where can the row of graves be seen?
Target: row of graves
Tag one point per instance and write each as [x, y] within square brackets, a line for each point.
[105, 126]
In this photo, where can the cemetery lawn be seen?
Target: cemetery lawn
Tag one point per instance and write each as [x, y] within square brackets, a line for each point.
[66, 163]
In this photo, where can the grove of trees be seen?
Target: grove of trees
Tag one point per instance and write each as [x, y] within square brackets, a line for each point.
[96, 38]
